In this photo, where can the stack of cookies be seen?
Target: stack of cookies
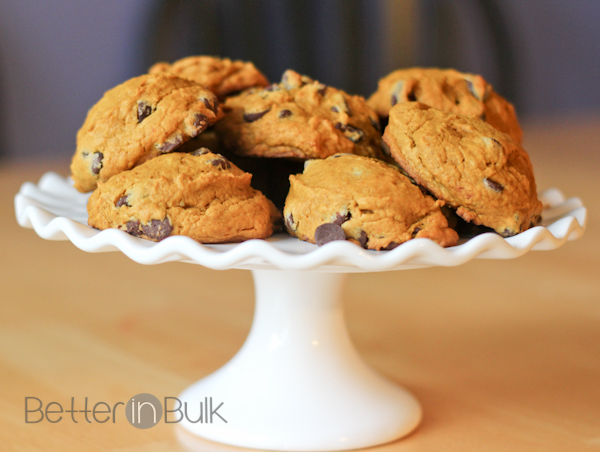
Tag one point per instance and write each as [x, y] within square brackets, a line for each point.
[174, 152]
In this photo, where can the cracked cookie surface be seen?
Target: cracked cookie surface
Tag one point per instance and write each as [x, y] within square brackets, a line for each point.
[482, 173]
[348, 197]
[299, 118]
[222, 76]
[140, 119]
[200, 195]
[449, 90]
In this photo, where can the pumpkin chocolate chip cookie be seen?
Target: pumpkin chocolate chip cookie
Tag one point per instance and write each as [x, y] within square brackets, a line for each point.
[200, 195]
[481, 172]
[222, 76]
[144, 117]
[349, 197]
[299, 118]
[448, 90]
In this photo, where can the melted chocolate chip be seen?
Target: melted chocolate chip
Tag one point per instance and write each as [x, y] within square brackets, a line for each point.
[394, 100]
[363, 239]
[340, 126]
[340, 219]
[133, 228]
[251, 117]
[168, 146]
[390, 246]
[385, 148]
[285, 114]
[471, 88]
[97, 162]
[211, 105]
[157, 229]
[335, 109]
[493, 185]
[122, 201]
[221, 163]
[199, 152]
[289, 222]
[354, 134]
[416, 231]
[143, 110]
[201, 122]
[329, 232]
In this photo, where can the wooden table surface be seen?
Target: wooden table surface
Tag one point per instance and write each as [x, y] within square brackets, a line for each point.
[503, 355]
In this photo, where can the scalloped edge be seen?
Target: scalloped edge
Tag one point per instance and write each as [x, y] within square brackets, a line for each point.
[56, 211]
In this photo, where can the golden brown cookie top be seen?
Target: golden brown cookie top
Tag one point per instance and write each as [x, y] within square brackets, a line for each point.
[449, 90]
[299, 117]
[220, 75]
[466, 162]
[201, 195]
[144, 117]
[364, 200]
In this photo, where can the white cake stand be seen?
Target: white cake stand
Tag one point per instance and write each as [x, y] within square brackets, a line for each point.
[297, 383]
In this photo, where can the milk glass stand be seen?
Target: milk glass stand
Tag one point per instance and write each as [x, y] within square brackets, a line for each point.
[297, 383]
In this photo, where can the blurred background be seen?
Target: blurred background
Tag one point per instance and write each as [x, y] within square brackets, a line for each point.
[57, 57]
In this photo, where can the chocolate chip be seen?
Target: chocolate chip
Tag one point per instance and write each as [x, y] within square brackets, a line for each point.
[353, 134]
[507, 233]
[394, 99]
[157, 229]
[143, 110]
[285, 114]
[366, 211]
[251, 117]
[122, 201]
[390, 246]
[471, 88]
[340, 126]
[201, 122]
[335, 109]
[341, 154]
[339, 219]
[385, 148]
[416, 231]
[329, 232]
[221, 163]
[363, 239]
[199, 152]
[322, 89]
[411, 97]
[97, 162]
[483, 117]
[289, 222]
[133, 228]
[168, 146]
[211, 105]
[375, 124]
[493, 185]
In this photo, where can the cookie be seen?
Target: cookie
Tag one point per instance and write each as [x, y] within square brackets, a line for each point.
[349, 197]
[144, 117]
[481, 172]
[448, 90]
[199, 195]
[299, 118]
[222, 76]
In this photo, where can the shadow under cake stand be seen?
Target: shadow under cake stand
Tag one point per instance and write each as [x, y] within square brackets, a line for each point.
[297, 383]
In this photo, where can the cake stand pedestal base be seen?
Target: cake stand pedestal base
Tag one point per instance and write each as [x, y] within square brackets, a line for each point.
[297, 383]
